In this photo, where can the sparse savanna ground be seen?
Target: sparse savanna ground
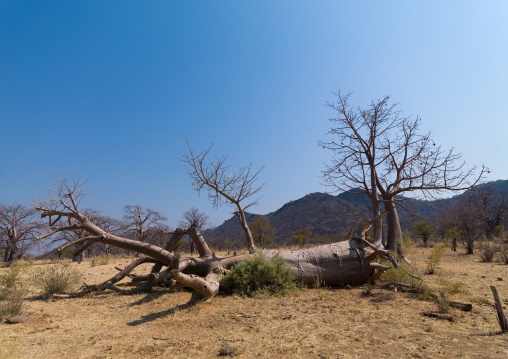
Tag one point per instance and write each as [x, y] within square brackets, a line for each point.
[315, 323]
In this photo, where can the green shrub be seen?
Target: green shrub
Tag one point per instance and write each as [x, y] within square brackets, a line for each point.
[179, 244]
[258, 276]
[11, 302]
[10, 279]
[399, 275]
[500, 233]
[438, 252]
[12, 290]
[404, 274]
[442, 304]
[57, 278]
[450, 287]
[407, 242]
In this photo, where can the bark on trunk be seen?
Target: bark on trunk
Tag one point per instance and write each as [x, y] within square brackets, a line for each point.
[199, 242]
[503, 322]
[245, 227]
[348, 262]
[335, 264]
[394, 238]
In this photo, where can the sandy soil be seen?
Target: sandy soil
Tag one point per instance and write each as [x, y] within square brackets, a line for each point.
[316, 323]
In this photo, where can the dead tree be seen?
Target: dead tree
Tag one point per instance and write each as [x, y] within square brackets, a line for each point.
[139, 221]
[349, 262]
[194, 218]
[224, 184]
[72, 235]
[387, 156]
[490, 205]
[467, 220]
[19, 228]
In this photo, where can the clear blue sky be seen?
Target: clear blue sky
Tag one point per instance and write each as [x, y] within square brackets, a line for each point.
[106, 89]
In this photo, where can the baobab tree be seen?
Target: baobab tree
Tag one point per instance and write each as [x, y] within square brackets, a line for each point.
[386, 155]
[194, 218]
[139, 221]
[224, 184]
[19, 228]
[347, 262]
[73, 235]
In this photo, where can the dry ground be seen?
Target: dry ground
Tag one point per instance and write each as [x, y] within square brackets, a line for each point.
[316, 323]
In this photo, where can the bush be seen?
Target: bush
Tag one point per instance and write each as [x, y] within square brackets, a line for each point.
[100, 260]
[405, 273]
[258, 276]
[442, 304]
[57, 278]
[11, 278]
[438, 252]
[450, 287]
[503, 252]
[488, 252]
[11, 302]
[12, 290]
[407, 242]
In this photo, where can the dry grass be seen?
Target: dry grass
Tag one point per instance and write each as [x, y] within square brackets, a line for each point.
[316, 323]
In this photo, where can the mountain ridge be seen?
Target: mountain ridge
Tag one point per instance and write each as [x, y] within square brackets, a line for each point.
[329, 216]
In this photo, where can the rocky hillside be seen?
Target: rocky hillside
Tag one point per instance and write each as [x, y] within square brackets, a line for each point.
[329, 216]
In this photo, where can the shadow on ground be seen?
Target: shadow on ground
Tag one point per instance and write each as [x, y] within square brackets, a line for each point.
[154, 316]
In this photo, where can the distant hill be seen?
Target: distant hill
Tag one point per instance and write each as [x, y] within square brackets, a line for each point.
[330, 216]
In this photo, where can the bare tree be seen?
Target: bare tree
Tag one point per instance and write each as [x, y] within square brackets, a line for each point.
[194, 218]
[110, 225]
[464, 219]
[223, 183]
[490, 204]
[75, 234]
[139, 221]
[386, 155]
[19, 227]
[348, 262]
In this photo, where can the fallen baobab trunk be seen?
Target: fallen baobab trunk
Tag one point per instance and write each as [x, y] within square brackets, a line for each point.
[350, 262]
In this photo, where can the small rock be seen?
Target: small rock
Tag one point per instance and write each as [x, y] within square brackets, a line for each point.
[227, 350]
[18, 319]
[483, 276]
[500, 279]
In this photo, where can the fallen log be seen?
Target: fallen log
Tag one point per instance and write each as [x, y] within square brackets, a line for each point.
[448, 317]
[350, 262]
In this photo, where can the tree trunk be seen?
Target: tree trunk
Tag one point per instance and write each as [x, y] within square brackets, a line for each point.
[199, 242]
[335, 264]
[394, 238]
[378, 226]
[12, 250]
[246, 230]
[347, 262]
[469, 246]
